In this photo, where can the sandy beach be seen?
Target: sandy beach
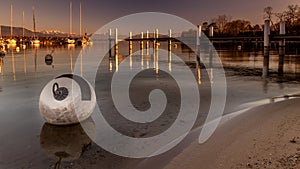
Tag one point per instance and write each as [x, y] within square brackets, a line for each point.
[264, 137]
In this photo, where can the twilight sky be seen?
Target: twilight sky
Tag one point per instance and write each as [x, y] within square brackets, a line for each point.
[54, 14]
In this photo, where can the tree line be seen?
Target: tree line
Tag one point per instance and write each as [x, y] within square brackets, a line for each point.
[225, 26]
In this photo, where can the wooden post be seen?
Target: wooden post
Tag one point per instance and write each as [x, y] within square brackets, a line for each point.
[109, 42]
[211, 31]
[266, 49]
[199, 31]
[198, 36]
[281, 49]
[116, 36]
[116, 42]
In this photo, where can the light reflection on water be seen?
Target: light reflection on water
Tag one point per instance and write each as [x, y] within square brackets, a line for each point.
[254, 60]
[30, 63]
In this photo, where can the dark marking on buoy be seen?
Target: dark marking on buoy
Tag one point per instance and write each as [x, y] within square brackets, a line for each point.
[85, 89]
[59, 93]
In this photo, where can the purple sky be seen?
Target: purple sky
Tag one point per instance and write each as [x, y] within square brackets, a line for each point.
[54, 14]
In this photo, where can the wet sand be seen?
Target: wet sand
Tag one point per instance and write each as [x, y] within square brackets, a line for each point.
[264, 137]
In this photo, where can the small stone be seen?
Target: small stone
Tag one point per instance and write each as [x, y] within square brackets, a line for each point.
[293, 140]
[249, 165]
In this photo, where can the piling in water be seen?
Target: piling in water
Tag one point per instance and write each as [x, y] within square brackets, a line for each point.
[116, 42]
[211, 31]
[281, 49]
[109, 42]
[265, 71]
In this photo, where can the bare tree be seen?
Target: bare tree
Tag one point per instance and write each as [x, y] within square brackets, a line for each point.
[268, 12]
[291, 13]
[221, 21]
[268, 15]
[237, 26]
[280, 16]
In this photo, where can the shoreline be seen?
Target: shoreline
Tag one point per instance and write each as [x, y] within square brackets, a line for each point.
[261, 137]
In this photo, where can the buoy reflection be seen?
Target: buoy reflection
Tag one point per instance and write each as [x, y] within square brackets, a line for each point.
[66, 143]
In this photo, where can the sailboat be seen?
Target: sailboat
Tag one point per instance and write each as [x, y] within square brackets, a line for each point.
[35, 41]
[84, 40]
[70, 40]
[11, 42]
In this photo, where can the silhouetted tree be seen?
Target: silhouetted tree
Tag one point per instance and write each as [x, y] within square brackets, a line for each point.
[292, 18]
[220, 22]
[237, 27]
[268, 15]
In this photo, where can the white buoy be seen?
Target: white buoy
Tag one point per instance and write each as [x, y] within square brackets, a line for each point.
[67, 99]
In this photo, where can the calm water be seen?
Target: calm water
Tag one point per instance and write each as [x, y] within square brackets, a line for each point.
[254, 60]
[26, 142]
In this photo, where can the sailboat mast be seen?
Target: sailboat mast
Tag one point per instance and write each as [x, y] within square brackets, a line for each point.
[23, 31]
[70, 18]
[80, 24]
[11, 24]
[33, 17]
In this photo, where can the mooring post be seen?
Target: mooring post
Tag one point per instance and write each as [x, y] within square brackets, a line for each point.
[265, 71]
[198, 36]
[116, 43]
[281, 49]
[109, 42]
[154, 41]
[170, 41]
[211, 31]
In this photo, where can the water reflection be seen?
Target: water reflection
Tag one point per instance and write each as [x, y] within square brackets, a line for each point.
[70, 49]
[25, 62]
[13, 64]
[1, 66]
[32, 63]
[156, 58]
[279, 62]
[66, 143]
[170, 60]
[35, 62]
